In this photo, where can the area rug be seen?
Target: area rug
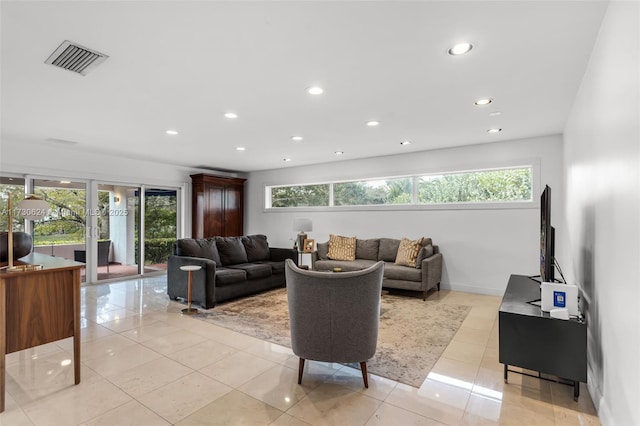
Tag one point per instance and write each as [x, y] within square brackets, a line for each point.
[413, 333]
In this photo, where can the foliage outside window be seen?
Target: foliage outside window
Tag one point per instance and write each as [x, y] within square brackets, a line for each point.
[13, 187]
[66, 221]
[476, 187]
[161, 227]
[481, 186]
[362, 193]
[300, 196]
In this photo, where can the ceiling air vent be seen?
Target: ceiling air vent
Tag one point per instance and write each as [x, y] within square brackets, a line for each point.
[73, 57]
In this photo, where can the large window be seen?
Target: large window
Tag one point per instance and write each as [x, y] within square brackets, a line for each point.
[299, 196]
[476, 187]
[362, 193]
[489, 186]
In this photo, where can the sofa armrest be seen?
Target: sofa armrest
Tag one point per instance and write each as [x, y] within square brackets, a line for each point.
[203, 280]
[281, 254]
[431, 272]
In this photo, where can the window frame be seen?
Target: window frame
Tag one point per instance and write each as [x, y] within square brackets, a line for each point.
[533, 164]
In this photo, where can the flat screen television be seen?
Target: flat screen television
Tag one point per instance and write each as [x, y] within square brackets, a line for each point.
[547, 237]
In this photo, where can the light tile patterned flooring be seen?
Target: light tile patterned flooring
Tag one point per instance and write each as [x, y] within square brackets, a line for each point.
[145, 364]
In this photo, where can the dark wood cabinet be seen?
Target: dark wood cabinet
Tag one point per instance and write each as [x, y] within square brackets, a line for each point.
[217, 207]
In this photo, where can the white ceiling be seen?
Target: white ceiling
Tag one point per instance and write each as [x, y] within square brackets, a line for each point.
[182, 65]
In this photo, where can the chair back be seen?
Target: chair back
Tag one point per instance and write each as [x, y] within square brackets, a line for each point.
[334, 317]
[103, 252]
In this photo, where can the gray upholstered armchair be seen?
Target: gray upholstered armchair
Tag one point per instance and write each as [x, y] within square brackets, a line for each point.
[334, 316]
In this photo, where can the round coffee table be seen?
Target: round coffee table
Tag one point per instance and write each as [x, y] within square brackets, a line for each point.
[190, 268]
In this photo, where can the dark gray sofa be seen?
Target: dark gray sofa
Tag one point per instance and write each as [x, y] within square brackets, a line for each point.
[231, 267]
[425, 276]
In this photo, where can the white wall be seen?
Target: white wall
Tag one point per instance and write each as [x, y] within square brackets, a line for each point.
[602, 162]
[481, 248]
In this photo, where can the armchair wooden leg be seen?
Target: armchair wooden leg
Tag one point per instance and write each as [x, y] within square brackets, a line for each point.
[300, 370]
[424, 296]
[363, 367]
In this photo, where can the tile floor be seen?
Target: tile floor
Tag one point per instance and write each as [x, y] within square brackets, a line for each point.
[145, 364]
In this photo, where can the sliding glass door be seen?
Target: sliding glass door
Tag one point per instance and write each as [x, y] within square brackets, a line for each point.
[160, 227]
[62, 233]
[116, 230]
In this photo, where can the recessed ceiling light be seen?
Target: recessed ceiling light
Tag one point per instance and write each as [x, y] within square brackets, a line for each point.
[460, 49]
[339, 152]
[296, 138]
[171, 132]
[494, 130]
[230, 115]
[315, 90]
[373, 123]
[240, 148]
[286, 159]
[482, 102]
[405, 143]
[494, 113]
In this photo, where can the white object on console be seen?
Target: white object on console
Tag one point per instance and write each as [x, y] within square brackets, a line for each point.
[560, 313]
[555, 295]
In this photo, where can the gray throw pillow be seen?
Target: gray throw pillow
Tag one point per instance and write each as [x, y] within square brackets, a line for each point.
[256, 247]
[367, 249]
[424, 253]
[231, 250]
[202, 247]
[388, 249]
[323, 250]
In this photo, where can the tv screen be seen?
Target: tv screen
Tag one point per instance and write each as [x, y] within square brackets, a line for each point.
[546, 237]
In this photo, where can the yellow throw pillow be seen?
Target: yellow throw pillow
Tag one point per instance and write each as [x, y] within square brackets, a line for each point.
[408, 252]
[342, 248]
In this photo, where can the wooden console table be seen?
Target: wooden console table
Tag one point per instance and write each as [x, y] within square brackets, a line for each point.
[38, 307]
[532, 339]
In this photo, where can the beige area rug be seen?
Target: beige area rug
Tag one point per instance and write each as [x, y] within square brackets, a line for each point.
[412, 335]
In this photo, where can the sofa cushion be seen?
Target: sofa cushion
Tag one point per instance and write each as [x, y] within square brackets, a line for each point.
[276, 267]
[342, 248]
[323, 250]
[356, 265]
[408, 252]
[226, 276]
[367, 249]
[203, 247]
[254, 270]
[398, 272]
[388, 249]
[256, 247]
[231, 250]
[424, 253]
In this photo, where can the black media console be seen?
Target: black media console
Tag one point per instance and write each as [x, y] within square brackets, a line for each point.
[531, 339]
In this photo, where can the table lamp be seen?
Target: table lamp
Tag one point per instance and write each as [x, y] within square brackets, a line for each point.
[31, 208]
[302, 225]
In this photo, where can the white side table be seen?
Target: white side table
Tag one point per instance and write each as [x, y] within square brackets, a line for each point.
[190, 268]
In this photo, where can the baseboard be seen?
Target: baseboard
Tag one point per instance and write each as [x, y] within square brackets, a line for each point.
[472, 289]
[604, 413]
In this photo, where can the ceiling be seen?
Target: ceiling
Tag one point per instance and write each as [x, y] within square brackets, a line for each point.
[181, 65]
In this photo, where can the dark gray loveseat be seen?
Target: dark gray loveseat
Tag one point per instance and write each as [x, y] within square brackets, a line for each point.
[231, 267]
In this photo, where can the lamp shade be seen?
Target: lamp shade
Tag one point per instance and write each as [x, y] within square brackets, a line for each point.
[33, 208]
[302, 225]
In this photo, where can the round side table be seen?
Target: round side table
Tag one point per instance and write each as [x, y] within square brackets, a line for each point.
[190, 268]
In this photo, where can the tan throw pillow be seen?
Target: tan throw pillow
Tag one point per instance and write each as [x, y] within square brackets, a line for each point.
[408, 252]
[342, 248]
